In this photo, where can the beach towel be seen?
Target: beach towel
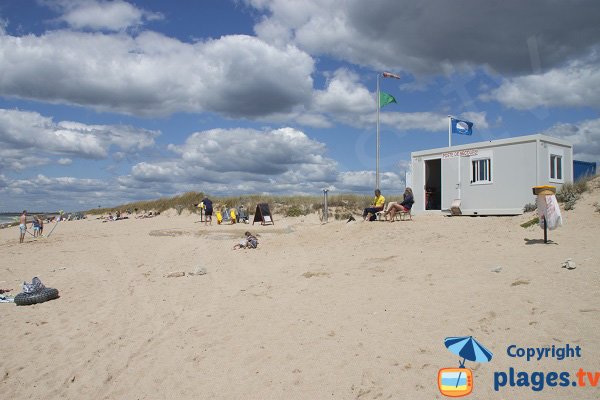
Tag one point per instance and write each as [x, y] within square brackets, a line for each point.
[6, 299]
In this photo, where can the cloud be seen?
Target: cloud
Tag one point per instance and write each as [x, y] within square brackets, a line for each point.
[37, 192]
[155, 75]
[115, 15]
[345, 99]
[571, 86]
[219, 162]
[584, 135]
[438, 36]
[247, 154]
[238, 161]
[28, 139]
[344, 94]
[364, 181]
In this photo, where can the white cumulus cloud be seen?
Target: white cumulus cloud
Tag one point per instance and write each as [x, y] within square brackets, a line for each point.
[23, 132]
[154, 75]
[111, 15]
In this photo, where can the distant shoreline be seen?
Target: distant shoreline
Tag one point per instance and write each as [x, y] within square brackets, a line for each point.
[12, 219]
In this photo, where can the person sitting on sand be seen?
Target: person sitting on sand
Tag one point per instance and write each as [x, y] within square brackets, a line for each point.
[232, 216]
[405, 206]
[250, 242]
[378, 203]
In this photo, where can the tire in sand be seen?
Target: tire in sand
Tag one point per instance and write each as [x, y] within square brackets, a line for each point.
[27, 299]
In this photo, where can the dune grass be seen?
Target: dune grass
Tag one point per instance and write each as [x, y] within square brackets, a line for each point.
[296, 205]
[569, 193]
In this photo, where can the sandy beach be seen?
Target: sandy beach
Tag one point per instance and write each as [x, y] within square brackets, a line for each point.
[319, 311]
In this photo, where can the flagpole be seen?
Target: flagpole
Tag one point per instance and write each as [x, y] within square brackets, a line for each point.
[449, 131]
[377, 152]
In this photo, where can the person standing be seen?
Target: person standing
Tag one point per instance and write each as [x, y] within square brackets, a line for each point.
[22, 226]
[208, 210]
[36, 226]
[41, 222]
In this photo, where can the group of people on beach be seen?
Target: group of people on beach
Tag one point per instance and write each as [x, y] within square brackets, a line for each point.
[37, 225]
[206, 205]
[370, 213]
[232, 215]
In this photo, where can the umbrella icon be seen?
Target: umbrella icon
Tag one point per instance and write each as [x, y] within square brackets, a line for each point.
[469, 349]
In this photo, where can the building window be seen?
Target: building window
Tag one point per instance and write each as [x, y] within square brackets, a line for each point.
[556, 167]
[481, 170]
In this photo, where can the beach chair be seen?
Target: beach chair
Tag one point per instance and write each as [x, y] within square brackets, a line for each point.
[381, 214]
[242, 215]
[399, 216]
[403, 215]
[225, 214]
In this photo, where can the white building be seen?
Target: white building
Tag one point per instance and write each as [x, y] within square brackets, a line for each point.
[489, 178]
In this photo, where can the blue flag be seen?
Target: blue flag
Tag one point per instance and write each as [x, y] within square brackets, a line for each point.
[461, 127]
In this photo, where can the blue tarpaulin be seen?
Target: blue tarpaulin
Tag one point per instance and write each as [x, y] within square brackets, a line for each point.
[582, 169]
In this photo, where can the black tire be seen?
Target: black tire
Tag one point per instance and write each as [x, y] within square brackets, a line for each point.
[27, 299]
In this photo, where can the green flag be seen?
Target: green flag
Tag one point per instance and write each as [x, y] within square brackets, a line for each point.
[385, 99]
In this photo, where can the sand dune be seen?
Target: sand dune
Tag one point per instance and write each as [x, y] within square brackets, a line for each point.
[334, 311]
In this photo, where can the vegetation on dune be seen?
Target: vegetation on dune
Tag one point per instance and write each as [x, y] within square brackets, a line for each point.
[569, 193]
[341, 206]
[291, 206]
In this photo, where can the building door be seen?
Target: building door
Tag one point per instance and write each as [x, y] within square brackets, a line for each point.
[433, 184]
[451, 179]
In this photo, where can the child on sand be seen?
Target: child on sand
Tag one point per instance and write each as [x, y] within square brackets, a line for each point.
[250, 242]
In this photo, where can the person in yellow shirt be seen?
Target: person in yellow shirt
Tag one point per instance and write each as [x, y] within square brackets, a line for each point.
[378, 204]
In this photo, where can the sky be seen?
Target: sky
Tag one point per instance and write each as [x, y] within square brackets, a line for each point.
[108, 102]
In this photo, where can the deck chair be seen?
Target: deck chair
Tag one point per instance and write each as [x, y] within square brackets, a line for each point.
[225, 214]
[400, 215]
[403, 215]
[242, 215]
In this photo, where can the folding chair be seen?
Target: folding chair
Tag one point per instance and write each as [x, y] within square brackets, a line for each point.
[381, 214]
[403, 214]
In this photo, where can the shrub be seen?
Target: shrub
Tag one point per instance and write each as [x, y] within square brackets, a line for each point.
[571, 192]
[342, 215]
[530, 207]
[295, 211]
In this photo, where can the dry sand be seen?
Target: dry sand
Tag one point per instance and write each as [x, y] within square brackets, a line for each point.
[334, 311]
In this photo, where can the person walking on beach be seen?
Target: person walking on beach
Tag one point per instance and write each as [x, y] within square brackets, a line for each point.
[36, 226]
[41, 222]
[208, 210]
[22, 226]
[378, 203]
